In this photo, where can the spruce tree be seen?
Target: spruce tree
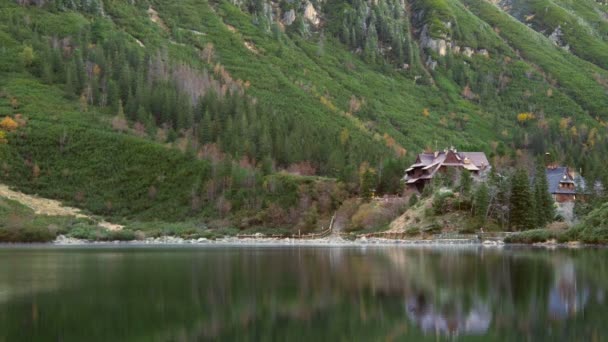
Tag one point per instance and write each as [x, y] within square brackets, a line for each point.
[367, 183]
[465, 183]
[482, 202]
[545, 211]
[521, 203]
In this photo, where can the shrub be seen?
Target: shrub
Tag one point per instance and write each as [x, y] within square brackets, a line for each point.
[532, 236]
[26, 234]
[413, 200]
[433, 228]
[593, 228]
[411, 231]
[369, 215]
[377, 213]
[91, 233]
[119, 235]
[441, 203]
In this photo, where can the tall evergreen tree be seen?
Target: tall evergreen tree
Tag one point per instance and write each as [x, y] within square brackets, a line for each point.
[545, 212]
[367, 183]
[465, 183]
[521, 203]
[482, 202]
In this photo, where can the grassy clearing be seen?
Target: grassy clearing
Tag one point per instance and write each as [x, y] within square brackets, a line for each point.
[19, 223]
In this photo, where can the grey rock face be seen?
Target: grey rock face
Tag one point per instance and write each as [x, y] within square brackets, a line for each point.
[289, 17]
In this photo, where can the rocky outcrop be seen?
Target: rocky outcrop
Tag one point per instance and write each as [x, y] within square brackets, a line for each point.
[444, 45]
[311, 14]
[439, 45]
[431, 63]
[289, 17]
[468, 51]
[506, 5]
[556, 38]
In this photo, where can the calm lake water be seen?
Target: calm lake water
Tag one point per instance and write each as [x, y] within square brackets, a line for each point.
[302, 294]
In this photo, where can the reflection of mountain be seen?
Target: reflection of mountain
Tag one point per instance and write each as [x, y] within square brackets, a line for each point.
[302, 294]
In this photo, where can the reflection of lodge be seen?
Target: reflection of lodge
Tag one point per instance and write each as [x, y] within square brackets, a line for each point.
[476, 321]
[566, 299]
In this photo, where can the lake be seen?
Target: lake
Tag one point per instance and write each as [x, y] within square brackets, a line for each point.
[278, 293]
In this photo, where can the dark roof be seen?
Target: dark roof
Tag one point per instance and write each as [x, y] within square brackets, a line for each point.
[431, 162]
[558, 175]
[478, 159]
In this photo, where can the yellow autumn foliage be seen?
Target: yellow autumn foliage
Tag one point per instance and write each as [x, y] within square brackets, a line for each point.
[525, 116]
[388, 140]
[8, 124]
[96, 70]
[327, 103]
[564, 123]
[344, 136]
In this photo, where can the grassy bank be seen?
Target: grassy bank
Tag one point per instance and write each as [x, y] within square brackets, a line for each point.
[19, 223]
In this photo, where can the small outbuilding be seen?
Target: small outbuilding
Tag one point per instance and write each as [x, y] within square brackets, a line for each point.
[565, 185]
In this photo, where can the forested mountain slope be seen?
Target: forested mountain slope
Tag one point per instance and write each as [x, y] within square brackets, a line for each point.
[158, 109]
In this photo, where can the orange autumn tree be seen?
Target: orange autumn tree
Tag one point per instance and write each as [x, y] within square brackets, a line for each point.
[8, 124]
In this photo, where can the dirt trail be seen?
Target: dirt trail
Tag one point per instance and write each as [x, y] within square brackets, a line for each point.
[45, 206]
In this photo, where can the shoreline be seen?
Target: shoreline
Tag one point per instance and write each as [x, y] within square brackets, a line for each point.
[63, 241]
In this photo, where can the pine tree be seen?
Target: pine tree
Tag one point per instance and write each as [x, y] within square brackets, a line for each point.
[70, 76]
[367, 183]
[27, 56]
[465, 183]
[482, 202]
[521, 203]
[371, 44]
[545, 212]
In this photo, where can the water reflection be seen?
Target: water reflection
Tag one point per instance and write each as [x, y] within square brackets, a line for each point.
[448, 320]
[301, 293]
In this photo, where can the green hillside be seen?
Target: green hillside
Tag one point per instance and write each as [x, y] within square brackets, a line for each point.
[265, 113]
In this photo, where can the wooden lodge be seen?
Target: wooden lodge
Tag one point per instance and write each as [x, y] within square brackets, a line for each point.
[563, 184]
[428, 165]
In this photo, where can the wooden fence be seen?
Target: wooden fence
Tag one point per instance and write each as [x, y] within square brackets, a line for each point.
[493, 236]
[322, 234]
[325, 233]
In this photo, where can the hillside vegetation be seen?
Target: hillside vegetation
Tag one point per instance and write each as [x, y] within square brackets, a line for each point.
[260, 113]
